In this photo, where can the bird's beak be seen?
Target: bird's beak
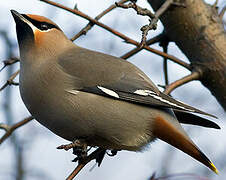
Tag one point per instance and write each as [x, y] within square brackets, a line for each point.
[25, 29]
[19, 18]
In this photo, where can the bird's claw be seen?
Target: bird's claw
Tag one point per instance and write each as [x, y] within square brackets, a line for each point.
[79, 149]
[112, 152]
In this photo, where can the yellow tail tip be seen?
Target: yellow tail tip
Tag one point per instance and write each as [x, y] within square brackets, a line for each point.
[212, 166]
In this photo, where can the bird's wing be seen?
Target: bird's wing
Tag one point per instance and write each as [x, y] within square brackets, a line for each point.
[113, 77]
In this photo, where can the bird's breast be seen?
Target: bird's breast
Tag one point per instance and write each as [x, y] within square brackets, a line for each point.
[42, 89]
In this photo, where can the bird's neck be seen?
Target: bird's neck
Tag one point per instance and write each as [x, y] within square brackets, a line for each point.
[38, 54]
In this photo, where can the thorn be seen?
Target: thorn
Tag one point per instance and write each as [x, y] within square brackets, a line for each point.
[76, 7]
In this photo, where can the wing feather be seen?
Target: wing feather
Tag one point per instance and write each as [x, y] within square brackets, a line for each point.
[109, 76]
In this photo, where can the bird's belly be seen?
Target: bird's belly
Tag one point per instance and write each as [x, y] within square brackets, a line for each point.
[111, 123]
[53, 112]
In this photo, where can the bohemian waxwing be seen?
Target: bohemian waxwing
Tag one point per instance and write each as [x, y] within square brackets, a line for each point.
[103, 100]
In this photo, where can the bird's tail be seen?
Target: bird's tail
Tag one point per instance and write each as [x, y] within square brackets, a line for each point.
[176, 136]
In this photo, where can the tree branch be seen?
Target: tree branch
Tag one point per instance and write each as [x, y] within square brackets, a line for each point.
[141, 11]
[85, 161]
[145, 12]
[198, 31]
[90, 25]
[124, 37]
[10, 80]
[10, 129]
[164, 44]
[193, 76]
[138, 49]
[222, 12]
[9, 62]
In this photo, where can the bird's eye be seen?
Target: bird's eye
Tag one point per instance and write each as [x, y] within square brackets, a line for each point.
[44, 27]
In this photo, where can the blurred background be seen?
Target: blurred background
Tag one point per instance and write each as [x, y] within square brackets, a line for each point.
[30, 153]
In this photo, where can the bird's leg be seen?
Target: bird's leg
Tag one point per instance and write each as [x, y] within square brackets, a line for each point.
[80, 150]
[79, 147]
[75, 144]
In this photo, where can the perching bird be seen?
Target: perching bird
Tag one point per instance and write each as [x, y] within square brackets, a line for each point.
[104, 100]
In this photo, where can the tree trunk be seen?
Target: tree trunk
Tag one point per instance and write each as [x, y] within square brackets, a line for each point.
[199, 33]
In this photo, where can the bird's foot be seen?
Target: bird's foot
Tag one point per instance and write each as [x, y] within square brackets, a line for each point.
[79, 149]
[75, 144]
[100, 156]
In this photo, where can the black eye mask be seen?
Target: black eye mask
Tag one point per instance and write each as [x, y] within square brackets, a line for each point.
[43, 26]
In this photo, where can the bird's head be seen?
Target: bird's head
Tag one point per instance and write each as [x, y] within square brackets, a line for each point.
[37, 34]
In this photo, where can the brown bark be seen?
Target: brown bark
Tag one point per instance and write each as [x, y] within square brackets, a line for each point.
[199, 33]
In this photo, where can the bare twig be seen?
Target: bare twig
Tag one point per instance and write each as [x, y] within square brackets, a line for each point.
[10, 129]
[127, 39]
[76, 171]
[193, 76]
[85, 161]
[9, 62]
[164, 43]
[145, 12]
[17, 145]
[138, 9]
[153, 22]
[149, 42]
[165, 70]
[221, 14]
[10, 80]
[90, 25]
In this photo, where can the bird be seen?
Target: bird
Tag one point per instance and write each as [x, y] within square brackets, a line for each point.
[105, 101]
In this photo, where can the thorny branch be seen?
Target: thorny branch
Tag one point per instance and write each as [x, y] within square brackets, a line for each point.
[10, 129]
[127, 39]
[10, 80]
[90, 25]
